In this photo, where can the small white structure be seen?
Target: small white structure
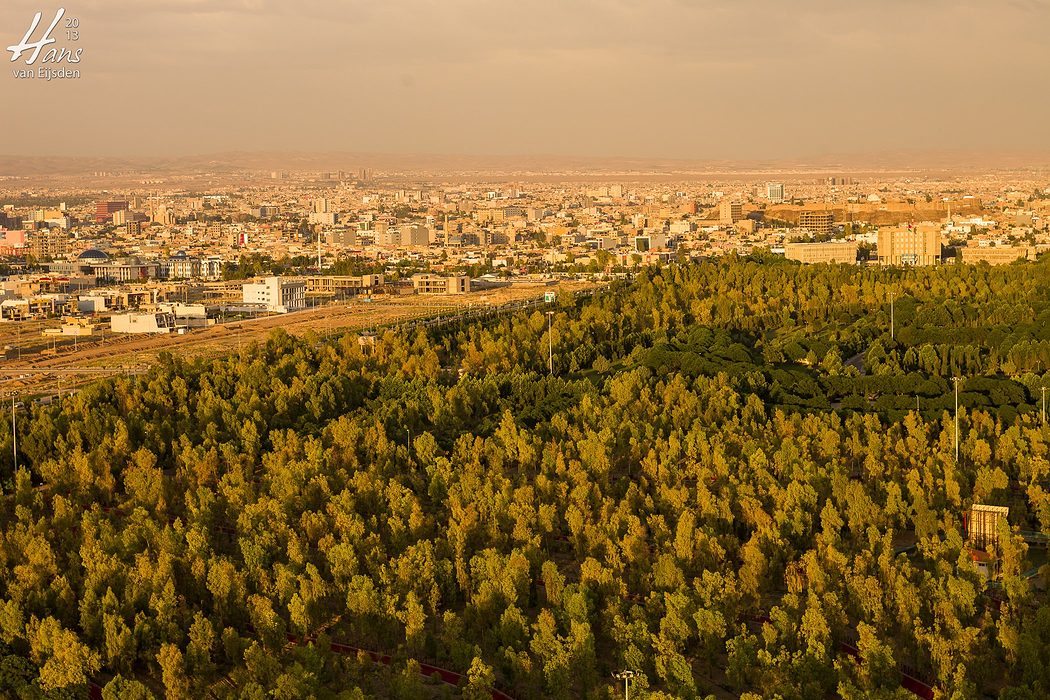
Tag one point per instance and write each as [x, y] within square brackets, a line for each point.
[276, 295]
[188, 315]
[143, 323]
[91, 304]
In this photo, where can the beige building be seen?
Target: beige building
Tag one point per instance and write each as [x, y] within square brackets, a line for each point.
[49, 244]
[143, 323]
[999, 255]
[425, 283]
[818, 223]
[730, 212]
[911, 245]
[342, 285]
[414, 235]
[833, 252]
[344, 237]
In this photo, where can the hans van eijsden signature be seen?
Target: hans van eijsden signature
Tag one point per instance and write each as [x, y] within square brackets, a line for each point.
[52, 56]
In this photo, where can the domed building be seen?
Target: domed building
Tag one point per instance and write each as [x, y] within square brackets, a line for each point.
[83, 264]
[92, 256]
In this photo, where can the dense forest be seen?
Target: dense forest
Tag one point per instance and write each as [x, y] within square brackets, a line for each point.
[718, 487]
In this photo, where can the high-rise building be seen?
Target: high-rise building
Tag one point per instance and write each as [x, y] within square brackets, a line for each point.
[775, 192]
[387, 237]
[10, 221]
[104, 210]
[49, 244]
[818, 223]
[911, 245]
[415, 235]
[163, 216]
[731, 212]
[342, 237]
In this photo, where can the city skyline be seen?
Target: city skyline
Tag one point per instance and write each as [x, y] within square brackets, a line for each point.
[671, 79]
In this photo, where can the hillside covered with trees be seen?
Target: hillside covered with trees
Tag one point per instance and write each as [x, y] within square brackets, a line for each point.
[717, 488]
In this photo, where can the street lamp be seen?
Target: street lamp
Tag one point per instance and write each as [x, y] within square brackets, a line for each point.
[1042, 390]
[892, 334]
[14, 434]
[626, 677]
[956, 380]
[550, 341]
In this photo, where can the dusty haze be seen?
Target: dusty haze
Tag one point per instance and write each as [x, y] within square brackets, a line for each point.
[719, 79]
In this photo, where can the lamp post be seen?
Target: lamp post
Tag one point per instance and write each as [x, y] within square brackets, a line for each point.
[14, 434]
[956, 380]
[1042, 390]
[892, 329]
[626, 677]
[550, 341]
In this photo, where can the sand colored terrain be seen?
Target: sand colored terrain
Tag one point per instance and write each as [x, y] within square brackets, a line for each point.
[44, 370]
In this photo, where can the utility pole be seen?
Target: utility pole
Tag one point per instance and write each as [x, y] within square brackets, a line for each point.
[14, 435]
[1042, 390]
[550, 341]
[626, 677]
[892, 329]
[956, 380]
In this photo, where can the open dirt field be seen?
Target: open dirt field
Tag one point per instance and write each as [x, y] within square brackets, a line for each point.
[44, 369]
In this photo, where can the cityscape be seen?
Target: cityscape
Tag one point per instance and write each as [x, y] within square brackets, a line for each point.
[469, 350]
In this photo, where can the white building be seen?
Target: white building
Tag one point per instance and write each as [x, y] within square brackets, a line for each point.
[211, 268]
[276, 295]
[651, 241]
[143, 323]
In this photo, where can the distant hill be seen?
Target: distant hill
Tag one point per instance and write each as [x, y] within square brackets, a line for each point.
[22, 165]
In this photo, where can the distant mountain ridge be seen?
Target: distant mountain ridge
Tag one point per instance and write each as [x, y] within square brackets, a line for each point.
[235, 161]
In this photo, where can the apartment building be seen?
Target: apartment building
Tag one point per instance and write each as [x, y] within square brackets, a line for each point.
[276, 294]
[818, 223]
[910, 245]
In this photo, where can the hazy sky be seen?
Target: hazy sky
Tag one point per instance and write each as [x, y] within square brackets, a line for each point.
[660, 78]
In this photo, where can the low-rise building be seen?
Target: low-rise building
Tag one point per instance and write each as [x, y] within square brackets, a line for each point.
[831, 252]
[179, 267]
[159, 322]
[997, 255]
[276, 294]
[342, 285]
[425, 283]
